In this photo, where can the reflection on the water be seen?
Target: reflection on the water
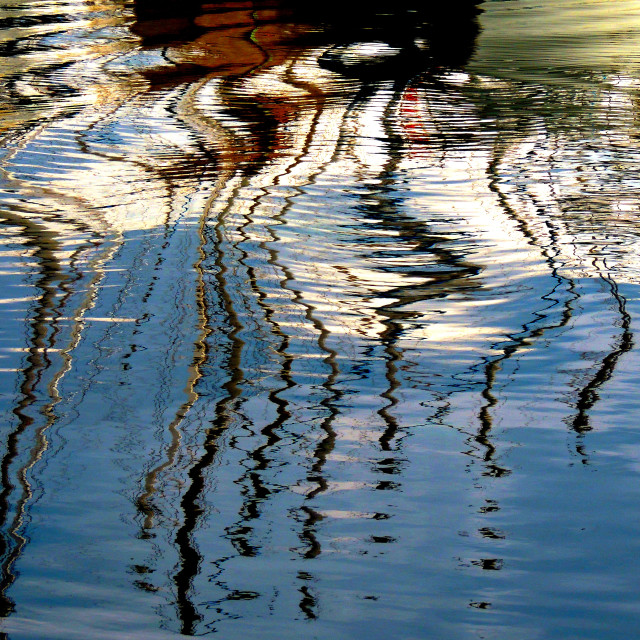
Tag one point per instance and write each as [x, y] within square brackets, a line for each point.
[318, 322]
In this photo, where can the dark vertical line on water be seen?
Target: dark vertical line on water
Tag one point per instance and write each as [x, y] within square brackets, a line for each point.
[239, 535]
[529, 334]
[483, 437]
[45, 247]
[393, 330]
[327, 443]
[588, 395]
[190, 558]
[259, 490]
[189, 555]
[199, 357]
[308, 603]
[389, 336]
[144, 502]
[47, 314]
[325, 446]
[200, 354]
[388, 215]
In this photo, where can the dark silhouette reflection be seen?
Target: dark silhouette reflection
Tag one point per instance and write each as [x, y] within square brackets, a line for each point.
[419, 38]
[308, 602]
[449, 31]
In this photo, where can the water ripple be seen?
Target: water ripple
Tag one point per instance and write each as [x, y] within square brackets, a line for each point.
[318, 323]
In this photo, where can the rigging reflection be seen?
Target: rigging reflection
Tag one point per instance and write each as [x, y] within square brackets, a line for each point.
[279, 43]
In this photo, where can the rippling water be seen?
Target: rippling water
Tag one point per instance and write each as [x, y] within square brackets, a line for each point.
[317, 325]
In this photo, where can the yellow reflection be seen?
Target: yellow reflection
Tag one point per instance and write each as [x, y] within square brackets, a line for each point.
[525, 40]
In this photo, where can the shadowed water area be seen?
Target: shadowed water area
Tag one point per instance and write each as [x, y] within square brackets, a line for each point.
[319, 324]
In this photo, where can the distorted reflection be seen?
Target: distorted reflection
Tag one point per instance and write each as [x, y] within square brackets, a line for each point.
[318, 322]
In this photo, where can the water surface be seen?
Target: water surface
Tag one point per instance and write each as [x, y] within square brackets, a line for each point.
[317, 325]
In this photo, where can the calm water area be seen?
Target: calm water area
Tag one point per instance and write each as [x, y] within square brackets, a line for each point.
[319, 322]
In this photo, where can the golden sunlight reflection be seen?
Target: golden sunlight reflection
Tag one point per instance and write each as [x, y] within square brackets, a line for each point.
[562, 41]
